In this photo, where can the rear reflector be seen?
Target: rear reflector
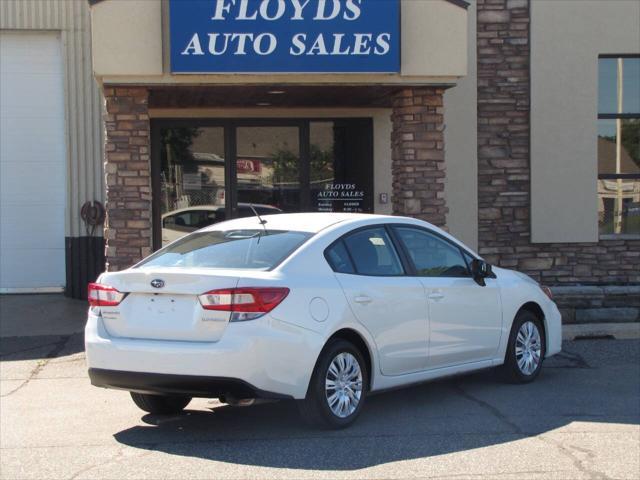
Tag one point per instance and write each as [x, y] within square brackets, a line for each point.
[103, 295]
[248, 299]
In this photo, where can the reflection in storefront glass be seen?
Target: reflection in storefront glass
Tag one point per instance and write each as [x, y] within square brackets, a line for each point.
[192, 181]
[619, 146]
[618, 154]
[268, 166]
[337, 175]
[322, 161]
[629, 146]
[623, 73]
[340, 163]
[619, 206]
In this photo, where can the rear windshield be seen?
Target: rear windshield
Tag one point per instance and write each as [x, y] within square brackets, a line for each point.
[231, 249]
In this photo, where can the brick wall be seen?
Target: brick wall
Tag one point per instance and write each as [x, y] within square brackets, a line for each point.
[417, 142]
[504, 232]
[127, 230]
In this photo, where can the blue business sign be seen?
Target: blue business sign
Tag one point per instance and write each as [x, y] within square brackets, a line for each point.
[270, 36]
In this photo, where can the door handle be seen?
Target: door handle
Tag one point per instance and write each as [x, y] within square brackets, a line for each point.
[436, 296]
[363, 299]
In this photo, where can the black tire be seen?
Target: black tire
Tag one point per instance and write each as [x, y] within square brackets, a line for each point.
[160, 404]
[315, 409]
[510, 371]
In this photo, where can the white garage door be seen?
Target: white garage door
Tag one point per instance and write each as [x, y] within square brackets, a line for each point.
[32, 162]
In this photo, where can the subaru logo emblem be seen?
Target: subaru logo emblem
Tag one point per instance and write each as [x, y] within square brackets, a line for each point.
[157, 283]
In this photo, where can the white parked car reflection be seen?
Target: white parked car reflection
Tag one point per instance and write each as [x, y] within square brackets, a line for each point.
[178, 223]
[321, 308]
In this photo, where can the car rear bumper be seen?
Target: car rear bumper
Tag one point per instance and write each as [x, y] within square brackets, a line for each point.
[264, 356]
[188, 385]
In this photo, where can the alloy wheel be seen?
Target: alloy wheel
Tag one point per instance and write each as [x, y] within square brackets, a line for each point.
[343, 385]
[528, 348]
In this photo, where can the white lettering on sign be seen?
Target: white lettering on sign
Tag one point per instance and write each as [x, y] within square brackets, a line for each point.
[271, 10]
[340, 197]
[298, 8]
[301, 44]
[236, 43]
[193, 48]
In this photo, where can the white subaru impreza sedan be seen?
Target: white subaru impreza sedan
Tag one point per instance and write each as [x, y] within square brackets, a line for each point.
[317, 307]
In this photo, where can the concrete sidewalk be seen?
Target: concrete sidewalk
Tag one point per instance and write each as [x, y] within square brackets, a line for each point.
[41, 315]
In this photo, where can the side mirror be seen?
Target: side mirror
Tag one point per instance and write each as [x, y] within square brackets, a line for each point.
[480, 270]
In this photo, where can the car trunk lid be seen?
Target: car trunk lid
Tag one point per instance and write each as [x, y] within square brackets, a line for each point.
[170, 310]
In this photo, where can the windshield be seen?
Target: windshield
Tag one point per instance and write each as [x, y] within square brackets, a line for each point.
[232, 249]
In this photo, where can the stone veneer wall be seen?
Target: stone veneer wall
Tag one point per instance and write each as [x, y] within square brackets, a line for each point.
[418, 166]
[127, 229]
[504, 199]
[598, 304]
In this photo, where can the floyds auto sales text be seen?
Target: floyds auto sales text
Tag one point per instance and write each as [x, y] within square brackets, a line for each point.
[301, 43]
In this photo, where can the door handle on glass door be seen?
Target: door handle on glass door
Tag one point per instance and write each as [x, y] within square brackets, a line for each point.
[364, 299]
[436, 296]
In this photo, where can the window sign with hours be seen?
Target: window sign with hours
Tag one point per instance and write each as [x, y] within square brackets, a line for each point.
[341, 197]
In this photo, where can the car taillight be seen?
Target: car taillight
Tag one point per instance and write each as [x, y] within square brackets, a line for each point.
[103, 295]
[547, 291]
[244, 303]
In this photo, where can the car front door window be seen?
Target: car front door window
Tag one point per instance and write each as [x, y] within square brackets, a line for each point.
[432, 255]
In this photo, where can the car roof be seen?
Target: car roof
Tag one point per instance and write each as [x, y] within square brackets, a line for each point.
[215, 208]
[302, 222]
[260, 205]
[312, 222]
[210, 208]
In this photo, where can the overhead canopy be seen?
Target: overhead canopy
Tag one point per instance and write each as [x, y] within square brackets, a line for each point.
[229, 96]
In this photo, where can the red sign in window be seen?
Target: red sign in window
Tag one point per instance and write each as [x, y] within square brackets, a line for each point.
[246, 165]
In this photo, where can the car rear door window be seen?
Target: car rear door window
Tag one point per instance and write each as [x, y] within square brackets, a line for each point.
[432, 255]
[373, 252]
[338, 258]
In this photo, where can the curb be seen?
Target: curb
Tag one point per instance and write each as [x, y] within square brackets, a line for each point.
[619, 331]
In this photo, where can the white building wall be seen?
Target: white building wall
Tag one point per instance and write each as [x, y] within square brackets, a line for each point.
[461, 146]
[566, 38]
[83, 128]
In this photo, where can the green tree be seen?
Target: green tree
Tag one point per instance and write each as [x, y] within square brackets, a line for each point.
[286, 165]
[177, 145]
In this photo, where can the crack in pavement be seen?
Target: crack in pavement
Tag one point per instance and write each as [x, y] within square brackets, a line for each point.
[567, 359]
[53, 353]
[577, 462]
[115, 458]
[487, 406]
[580, 465]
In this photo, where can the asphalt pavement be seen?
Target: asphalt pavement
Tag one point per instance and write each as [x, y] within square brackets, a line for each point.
[579, 420]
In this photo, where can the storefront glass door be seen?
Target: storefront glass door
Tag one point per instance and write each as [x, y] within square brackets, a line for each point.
[207, 171]
[191, 193]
